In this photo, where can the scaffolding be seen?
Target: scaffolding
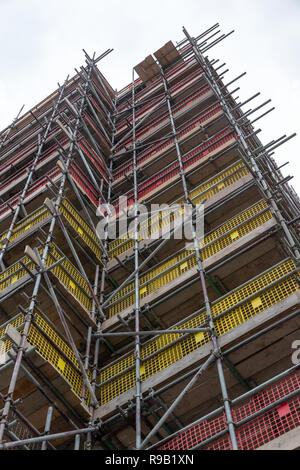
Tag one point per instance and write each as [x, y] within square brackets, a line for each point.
[142, 341]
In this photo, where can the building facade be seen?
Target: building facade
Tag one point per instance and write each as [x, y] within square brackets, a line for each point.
[163, 336]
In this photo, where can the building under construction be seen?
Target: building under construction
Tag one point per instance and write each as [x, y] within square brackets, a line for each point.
[142, 341]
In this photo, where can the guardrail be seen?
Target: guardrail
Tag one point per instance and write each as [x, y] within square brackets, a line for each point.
[189, 161]
[229, 311]
[257, 431]
[68, 276]
[163, 119]
[173, 90]
[51, 347]
[42, 215]
[177, 265]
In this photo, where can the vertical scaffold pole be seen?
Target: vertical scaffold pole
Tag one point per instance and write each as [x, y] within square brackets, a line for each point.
[105, 260]
[138, 390]
[202, 275]
[47, 426]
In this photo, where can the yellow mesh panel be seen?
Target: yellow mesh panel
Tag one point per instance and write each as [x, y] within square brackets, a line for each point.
[15, 272]
[29, 222]
[72, 217]
[50, 354]
[214, 242]
[71, 372]
[69, 277]
[81, 227]
[5, 343]
[248, 308]
[56, 339]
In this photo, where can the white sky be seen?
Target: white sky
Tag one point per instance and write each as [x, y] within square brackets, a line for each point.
[41, 43]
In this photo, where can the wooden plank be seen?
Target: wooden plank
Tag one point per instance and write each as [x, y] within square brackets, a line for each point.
[147, 69]
[168, 54]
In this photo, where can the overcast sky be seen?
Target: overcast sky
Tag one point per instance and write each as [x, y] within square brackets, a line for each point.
[41, 42]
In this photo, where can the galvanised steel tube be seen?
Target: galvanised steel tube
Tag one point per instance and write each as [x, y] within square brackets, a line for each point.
[170, 410]
[138, 386]
[83, 74]
[250, 417]
[77, 442]
[89, 335]
[52, 389]
[70, 339]
[97, 119]
[202, 35]
[14, 437]
[28, 126]
[236, 400]
[50, 437]
[262, 184]
[202, 326]
[47, 426]
[83, 206]
[156, 332]
[24, 420]
[191, 255]
[169, 167]
[88, 441]
[160, 103]
[27, 324]
[258, 292]
[131, 276]
[262, 332]
[216, 206]
[56, 213]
